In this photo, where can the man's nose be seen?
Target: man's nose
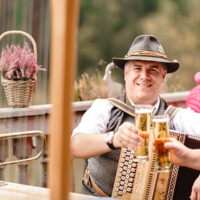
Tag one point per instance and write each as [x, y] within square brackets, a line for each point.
[144, 74]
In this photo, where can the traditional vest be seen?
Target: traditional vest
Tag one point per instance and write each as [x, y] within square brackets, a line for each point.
[103, 168]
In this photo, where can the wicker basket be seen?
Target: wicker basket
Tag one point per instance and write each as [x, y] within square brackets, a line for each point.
[19, 93]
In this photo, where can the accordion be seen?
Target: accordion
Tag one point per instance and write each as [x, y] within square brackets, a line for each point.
[139, 180]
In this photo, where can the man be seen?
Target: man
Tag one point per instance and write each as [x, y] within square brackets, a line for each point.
[105, 128]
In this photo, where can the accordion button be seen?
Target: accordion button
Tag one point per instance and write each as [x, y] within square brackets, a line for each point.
[127, 158]
[123, 155]
[126, 181]
[131, 174]
[120, 169]
[124, 191]
[116, 189]
[130, 184]
[124, 173]
[121, 164]
[132, 169]
[120, 188]
[115, 194]
[126, 163]
[117, 184]
[122, 183]
[131, 180]
[125, 168]
[134, 165]
[124, 149]
[119, 174]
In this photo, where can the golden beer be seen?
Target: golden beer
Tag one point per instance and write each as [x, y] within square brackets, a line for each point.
[143, 124]
[161, 134]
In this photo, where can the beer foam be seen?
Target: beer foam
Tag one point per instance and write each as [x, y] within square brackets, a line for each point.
[160, 120]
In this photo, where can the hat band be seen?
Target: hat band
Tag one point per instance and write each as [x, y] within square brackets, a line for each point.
[145, 53]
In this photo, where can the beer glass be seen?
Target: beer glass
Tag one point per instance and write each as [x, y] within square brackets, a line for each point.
[143, 124]
[161, 135]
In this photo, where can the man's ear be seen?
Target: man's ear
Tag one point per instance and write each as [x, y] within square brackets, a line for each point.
[125, 70]
[164, 74]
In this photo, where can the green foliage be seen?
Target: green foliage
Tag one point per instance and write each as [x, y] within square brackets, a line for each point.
[107, 29]
[179, 33]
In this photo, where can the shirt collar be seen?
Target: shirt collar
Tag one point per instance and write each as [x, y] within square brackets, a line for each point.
[155, 106]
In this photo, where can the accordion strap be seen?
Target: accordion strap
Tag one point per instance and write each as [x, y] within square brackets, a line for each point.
[94, 185]
[122, 106]
[171, 110]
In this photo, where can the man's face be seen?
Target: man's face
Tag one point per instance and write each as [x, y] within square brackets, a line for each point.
[143, 81]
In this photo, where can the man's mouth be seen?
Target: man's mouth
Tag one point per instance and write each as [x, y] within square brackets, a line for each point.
[144, 85]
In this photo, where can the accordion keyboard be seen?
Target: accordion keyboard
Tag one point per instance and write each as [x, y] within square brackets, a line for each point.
[125, 174]
[131, 180]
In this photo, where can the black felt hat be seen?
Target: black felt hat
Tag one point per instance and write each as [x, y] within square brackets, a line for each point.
[147, 48]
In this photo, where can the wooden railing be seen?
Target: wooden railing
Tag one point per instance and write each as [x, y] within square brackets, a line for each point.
[20, 120]
[37, 118]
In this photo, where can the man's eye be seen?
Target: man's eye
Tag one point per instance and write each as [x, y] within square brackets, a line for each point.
[136, 68]
[153, 69]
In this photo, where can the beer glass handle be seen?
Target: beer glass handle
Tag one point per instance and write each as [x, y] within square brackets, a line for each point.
[22, 135]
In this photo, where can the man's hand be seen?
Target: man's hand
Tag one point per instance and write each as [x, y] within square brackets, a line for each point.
[127, 136]
[195, 195]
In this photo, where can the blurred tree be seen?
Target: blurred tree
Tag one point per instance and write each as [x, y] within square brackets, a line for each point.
[107, 28]
[176, 23]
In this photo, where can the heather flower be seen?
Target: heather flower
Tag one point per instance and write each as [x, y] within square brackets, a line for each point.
[90, 87]
[17, 63]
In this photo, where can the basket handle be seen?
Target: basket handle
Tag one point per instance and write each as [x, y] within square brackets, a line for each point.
[24, 34]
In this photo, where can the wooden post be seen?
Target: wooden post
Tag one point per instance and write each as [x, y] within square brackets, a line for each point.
[64, 28]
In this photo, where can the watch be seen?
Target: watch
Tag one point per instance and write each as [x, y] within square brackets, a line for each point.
[108, 140]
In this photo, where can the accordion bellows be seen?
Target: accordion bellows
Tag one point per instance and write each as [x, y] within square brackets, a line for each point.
[140, 181]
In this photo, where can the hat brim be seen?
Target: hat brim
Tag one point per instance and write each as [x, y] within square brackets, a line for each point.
[172, 66]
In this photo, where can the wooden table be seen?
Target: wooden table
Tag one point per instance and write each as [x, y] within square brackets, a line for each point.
[14, 191]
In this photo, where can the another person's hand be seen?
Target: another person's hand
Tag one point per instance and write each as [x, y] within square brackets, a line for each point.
[127, 136]
[183, 156]
[195, 194]
[179, 154]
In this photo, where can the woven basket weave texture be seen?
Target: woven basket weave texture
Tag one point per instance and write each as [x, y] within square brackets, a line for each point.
[19, 93]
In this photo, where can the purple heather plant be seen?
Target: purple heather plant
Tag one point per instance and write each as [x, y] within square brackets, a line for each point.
[17, 63]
